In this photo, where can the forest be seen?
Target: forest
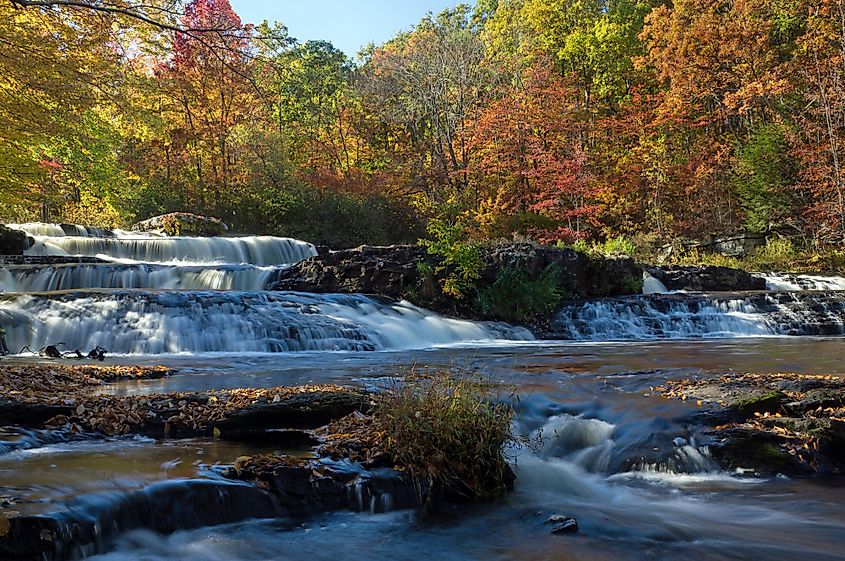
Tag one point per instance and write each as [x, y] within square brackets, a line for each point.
[557, 121]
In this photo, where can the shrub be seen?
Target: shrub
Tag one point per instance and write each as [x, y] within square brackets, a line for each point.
[448, 432]
[619, 245]
[777, 254]
[695, 257]
[515, 296]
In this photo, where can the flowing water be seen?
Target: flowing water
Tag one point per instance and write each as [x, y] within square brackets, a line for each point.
[626, 463]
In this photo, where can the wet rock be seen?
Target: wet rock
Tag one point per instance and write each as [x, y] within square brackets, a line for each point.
[706, 278]
[307, 487]
[13, 242]
[562, 524]
[771, 423]
[90, 523]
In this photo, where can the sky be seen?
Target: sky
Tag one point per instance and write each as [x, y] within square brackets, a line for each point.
[348, 24]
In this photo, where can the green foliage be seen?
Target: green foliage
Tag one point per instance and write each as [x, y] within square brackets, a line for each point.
[776, 255]
[695, 257]
[764, 171]
[461, 257]
[516, 297]
[619, 245]
[450, 432]
[331, 218]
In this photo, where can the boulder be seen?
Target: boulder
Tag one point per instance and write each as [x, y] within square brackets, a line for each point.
[183, 224]
[706, 278]
[13, 242]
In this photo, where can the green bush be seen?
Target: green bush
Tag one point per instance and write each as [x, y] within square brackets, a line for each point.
[461, 257]
[516, 297]
[448, 432]
[777, 254]
[619, 245]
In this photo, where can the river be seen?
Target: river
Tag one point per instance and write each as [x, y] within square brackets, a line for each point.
[621, 460]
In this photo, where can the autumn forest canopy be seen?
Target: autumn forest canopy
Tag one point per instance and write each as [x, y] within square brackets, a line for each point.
[551, 120]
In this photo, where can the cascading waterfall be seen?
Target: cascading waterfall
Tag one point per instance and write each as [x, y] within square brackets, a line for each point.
[145, 322]
[43, 229]
[255, 250]
[791, 282]
[73, 276]
[693, 316]
[155, 294]
[652, 285]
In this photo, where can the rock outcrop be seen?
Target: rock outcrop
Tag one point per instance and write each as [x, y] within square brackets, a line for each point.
[182, 224]
[410, 272]
[13, 242]
[706, 278]
[791, 424]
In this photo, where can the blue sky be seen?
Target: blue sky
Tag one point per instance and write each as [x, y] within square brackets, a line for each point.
[348, 24]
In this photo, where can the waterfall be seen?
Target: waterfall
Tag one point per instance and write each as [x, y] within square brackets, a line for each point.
[652, 285]
[791, 282]
[694, 316]
[42, 229]
[255, 250]
[147, 322]
[75, 276]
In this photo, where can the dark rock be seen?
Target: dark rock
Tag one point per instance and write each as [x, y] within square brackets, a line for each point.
[298, 411]
[90, 523]
[410, 272]
[819, 398]
[741, 447]
[706, 278]
[563, 524]
[13, 242]
[753, 424]
[305, 410]
[30, 415]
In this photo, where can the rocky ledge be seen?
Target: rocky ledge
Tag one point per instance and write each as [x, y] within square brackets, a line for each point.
[706, 278]
[412, 273]
[70, 398]
[182, 224]
[13, 242]
[790, 424]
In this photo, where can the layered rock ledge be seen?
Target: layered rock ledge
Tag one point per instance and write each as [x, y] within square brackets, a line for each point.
[792, 424]
[706, 278]
[410, 272]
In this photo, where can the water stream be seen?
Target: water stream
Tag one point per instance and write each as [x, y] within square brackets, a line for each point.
[624, 462]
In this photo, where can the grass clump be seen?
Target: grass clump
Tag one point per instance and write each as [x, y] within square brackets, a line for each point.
[449, 433]
[515, 296]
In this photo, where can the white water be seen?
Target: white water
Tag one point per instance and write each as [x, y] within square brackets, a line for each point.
[144, 322]
[67, 239]
[254, 250]
[36, 229]
[44, 278]
[652, 285]
[792, 283]
[676, 317]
